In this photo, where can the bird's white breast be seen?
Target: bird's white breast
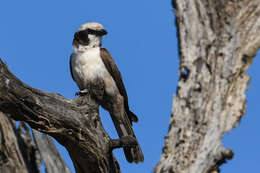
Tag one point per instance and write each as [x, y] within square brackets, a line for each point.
[87, 66]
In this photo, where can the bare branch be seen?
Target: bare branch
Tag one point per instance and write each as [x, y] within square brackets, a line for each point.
[75, 124]
[18, 153]
[49, 153]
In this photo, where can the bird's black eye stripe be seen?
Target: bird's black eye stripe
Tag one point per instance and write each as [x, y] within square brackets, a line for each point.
[99, 32]
[82, 35]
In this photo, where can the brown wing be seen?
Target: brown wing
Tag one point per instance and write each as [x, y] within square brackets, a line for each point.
[71, 68]
[116, 75]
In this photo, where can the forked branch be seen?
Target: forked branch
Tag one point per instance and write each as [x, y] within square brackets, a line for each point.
[75, 123]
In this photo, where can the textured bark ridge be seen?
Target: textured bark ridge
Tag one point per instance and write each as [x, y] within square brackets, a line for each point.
[75, 124]
[217, 42]
[51, 157]
[18, 153]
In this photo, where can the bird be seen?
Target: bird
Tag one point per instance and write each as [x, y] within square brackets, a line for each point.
[91, 64]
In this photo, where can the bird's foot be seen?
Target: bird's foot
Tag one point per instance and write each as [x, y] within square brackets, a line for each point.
[82, 92]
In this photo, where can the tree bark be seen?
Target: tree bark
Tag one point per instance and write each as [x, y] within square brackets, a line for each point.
[217, 43]
[18, 153]
[50, 155]
[75, 124]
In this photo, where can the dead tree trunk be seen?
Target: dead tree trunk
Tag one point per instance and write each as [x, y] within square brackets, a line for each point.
[49, 154]
[217, 42]
[75, 124]
[20, 153]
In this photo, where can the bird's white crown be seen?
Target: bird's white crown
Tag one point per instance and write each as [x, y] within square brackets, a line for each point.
[91, 25]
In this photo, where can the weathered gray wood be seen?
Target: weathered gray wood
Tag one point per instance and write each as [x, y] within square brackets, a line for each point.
[50, 155]
[217, 42]
[18, 153]
[75, 124]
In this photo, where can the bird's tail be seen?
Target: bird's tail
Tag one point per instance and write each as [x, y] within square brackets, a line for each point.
[124, 128]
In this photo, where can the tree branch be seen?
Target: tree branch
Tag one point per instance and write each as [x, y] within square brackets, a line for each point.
[49, 153]
[18, 152]
[217, 42]
[75, 123]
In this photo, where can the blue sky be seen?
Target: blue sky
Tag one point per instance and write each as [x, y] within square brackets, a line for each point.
[36, 39]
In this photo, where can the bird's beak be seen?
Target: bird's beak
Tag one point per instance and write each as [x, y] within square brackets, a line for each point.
[103, 32]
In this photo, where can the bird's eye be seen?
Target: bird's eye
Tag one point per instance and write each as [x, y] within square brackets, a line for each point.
[83, 36]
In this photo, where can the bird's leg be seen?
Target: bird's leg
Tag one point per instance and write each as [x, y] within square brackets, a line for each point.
[82, 92]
